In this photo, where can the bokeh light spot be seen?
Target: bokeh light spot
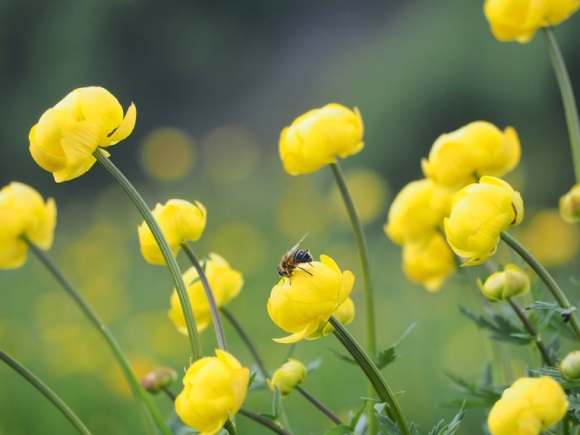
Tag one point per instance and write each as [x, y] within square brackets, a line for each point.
[168, 153]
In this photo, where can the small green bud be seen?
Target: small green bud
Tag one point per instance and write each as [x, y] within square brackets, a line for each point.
[570, 366]
[499, 286]
[158, 379]
[287, 377]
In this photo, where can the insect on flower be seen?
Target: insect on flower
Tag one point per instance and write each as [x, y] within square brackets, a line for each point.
[292, 259]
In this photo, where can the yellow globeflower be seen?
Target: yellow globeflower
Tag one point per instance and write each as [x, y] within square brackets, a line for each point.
[529, 406]
[317, 137]
[480, 148]
[417, 212]
[66, 135]
[23, 212]
[499, 286]
[518, 20]
[429, 262]
[289, 376]
[570, 205]
[179, 220]
[303, 303]
[225, 284]
[214, 389]
[479, 213]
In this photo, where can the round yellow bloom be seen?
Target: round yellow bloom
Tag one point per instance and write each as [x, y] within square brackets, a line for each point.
[518, 20]
[417, 212]
[317, 137]
[529, 406]
[23, 212]
[480, 148]
[289, 376]
[429, 262]
[214, 389]
[66, 135]
[570, 205]
[479, 213]
[500, 286]
[570, 366]
[179, 220]
[225, 284]
[303, 303]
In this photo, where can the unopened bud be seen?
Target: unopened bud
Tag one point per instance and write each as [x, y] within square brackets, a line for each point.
[500, 286]
[287, 377]
[570, 205]
[570, 366]
[158, 379]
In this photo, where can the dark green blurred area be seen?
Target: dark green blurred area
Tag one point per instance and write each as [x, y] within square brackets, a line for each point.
[415, 69]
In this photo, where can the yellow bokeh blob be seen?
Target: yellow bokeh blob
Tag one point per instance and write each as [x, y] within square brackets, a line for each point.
[230, 154]
[551, 240]
[168, 154]
[369, 192]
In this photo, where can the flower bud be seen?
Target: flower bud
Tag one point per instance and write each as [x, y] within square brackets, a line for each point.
[500, 286]
[179, 221]
[23, 212]
[570, 205]
[66, 135]
[479, 213]
[529, 406]
[289, 376]
[302, 303]
[158, 379]
[570, 366]
[317, 137]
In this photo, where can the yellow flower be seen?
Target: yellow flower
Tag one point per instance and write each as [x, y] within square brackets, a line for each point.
[225, 284]
[66, 135]
[480, 148]
[529, 406]
[518, 20]
[417, 212]
[289, 376]
[429, 262]
[344, 314]
[303, 303]
[499, 286]
[179, 220]
[570, 205]
[317, 137]
[23, 212]
[479, 213]
[214, 389]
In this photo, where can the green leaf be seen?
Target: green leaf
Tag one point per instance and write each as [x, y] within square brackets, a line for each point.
[353, 419]
[276, 403]
[314, 365]
[341, 429]
[390, 355]
[481, 394]
[501, 326]
[564, 312]
[449, 429]
[388, 425]
[343, 357]
[413, 429]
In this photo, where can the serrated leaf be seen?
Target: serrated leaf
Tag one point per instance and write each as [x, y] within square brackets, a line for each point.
[438, 428]
[390, 355]
[449, 429]
[343, 357]
[353, 419]
[556, 375]
[413, 429]
[563, 312]
[482, 394]
[341, 429]
[502, 328]
[388, 425]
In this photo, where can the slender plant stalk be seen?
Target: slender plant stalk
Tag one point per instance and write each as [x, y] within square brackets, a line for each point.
[365, 267]
[568, 99]
[319, 405]
[194, 341]
[53, 398]
[213, 308]
[372, 372]
[266, 422]
[546, 277]
[532, 331]
[230, 427]
[135, 385]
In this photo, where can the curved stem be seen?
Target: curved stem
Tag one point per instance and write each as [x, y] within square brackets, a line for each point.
[568, 99]
[194, 342]
[532, 331]
[135, 385]
[546, 277]
[266, 422]
[372, 372]
[46, 392]
[319, 405]
[213, 308]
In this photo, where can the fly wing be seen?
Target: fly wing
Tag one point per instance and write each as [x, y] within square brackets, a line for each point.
[294, 249]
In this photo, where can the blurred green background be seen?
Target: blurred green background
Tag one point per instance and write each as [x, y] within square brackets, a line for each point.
[214, 83]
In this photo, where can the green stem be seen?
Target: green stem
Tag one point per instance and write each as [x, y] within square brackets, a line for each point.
[266, 422]
[192, 333]
[546, 277]
[247, 341]
[532, 331]
[372, 372]
[46, 391]
[213, 308]
[567, 97]
[319, 405]
[105, 333]
[230, 427]
[365, 267]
